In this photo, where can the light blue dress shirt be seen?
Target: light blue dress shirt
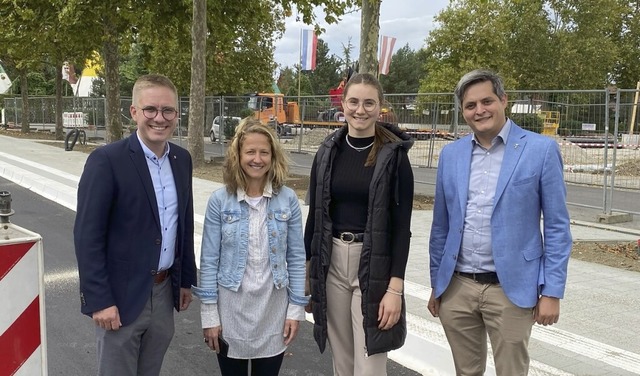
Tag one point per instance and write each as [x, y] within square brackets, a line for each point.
[476, 254]
[167, 199]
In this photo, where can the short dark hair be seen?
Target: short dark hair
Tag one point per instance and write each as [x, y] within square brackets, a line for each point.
[477, 76]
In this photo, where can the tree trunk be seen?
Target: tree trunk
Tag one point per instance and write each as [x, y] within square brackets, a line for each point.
[198, 81]
[112, 82]
[59, 128]
[24, 94]
[369, 32]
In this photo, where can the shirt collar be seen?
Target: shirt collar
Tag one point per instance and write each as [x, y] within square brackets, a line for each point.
[149, 154]
[502, 136]
[267, 192]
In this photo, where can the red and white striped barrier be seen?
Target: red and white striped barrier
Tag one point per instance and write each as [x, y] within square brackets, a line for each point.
[599, 145]
[22, 314]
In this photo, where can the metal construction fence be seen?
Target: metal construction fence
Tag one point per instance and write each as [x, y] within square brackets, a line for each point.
[596, 129]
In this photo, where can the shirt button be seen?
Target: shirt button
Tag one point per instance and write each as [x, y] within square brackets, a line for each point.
[158, 241]
[274, 234]
[273, 249]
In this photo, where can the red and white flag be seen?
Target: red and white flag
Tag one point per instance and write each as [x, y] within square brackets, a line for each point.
[308, 47]
[386, 50]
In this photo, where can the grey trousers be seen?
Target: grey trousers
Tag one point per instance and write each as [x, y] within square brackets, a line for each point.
[138, 349]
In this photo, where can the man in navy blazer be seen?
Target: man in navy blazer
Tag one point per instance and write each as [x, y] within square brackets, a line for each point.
[134, 236]
[493, 269]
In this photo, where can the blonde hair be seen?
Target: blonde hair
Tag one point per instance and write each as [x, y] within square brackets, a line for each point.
[234, 176]
[152, 80]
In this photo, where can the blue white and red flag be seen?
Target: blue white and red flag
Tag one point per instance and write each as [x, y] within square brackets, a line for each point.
[308, 50]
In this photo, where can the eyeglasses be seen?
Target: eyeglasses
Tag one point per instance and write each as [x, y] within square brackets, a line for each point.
[168, 113]
[368, 104]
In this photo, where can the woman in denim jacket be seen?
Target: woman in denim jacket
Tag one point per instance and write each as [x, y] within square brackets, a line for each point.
[252, 268]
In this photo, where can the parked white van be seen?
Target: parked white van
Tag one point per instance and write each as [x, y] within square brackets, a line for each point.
[214, 134]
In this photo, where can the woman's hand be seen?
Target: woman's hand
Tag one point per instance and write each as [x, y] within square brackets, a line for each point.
[389, 311]
[211, 337]
[290, 330]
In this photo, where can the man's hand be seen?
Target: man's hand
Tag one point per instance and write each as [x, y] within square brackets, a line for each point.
[108, 318]
[185, 298]
[290, 331]
[547, 311]
[434, 305]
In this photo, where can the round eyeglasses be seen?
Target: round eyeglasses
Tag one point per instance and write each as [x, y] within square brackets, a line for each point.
[368, 104]
[168, 113]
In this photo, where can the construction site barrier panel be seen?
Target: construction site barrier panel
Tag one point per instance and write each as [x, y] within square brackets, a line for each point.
[22, 312]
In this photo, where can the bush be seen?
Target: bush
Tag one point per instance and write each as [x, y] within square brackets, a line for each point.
[230, 125]
[246, 113]
[531, 122]
[572, 127]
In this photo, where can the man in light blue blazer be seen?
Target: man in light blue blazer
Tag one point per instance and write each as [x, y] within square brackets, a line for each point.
[494, 269]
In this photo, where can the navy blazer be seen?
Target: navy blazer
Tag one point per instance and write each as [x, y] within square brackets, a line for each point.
[530, 260]
[117, 230]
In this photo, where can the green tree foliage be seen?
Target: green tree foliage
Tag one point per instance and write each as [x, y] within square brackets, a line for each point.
[287, 81]
[405, 68]
[626, 72]
[327, 74]
[536, 44]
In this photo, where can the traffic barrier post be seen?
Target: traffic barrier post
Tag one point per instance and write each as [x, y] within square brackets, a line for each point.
[22, 312]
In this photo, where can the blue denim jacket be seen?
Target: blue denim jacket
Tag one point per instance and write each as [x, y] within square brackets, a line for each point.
[225, 241]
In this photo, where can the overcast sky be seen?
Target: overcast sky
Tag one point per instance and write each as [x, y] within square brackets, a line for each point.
[407, 20]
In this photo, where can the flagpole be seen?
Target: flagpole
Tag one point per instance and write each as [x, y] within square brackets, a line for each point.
[379, 55]
[299, 66]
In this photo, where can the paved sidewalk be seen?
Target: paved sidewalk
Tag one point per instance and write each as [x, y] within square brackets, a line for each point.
[599, 325]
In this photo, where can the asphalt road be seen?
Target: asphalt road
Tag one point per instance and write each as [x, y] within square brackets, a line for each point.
[70, 335]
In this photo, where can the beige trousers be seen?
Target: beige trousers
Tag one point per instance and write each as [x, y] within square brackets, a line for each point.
[468, 312]
[344, 315]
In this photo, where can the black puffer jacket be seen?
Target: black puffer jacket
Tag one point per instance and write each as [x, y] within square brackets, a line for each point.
[375, 261]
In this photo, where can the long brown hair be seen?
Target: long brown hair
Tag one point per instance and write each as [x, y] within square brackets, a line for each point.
[382, 135]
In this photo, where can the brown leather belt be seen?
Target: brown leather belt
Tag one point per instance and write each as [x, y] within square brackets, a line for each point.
[159, 277]
[490, 278]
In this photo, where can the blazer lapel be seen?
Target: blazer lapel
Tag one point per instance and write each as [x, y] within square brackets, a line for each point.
[463, 170]
[516, 143]
[140, 163]
[179, 181]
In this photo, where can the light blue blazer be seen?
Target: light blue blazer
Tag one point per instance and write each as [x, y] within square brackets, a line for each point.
[530, 259]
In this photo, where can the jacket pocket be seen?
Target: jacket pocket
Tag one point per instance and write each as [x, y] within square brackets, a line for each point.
[282, 221]
[525, 180]
[532, 254]
[230, 226]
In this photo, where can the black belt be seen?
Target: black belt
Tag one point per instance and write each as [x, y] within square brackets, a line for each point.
[490, 278]
[349, 237]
